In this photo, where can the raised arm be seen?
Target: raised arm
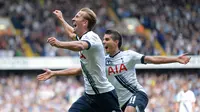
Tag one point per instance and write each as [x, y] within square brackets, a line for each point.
[49, 73]
[69, 30]
[72, 45]
[183, 59]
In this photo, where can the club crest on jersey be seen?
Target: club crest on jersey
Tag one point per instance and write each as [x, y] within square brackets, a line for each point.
[116, 69]
[108, 62]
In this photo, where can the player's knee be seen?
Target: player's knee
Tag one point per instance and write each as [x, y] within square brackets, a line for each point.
[130, 109]
[134, 109]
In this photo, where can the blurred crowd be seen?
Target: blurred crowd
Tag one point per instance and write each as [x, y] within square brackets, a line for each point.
[21, 92]
[162, 88]
[174, 23]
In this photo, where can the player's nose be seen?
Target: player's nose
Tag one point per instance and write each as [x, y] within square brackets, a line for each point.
[103, 42]
[73, 19]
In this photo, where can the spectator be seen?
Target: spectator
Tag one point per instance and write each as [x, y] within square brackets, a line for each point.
[185, 99]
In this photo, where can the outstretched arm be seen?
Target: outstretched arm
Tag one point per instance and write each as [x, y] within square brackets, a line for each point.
[73, 45]
[183, 59]
[49, 73]
[69, 30]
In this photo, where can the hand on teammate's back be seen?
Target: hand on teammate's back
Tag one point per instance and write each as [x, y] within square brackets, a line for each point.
[184, 59]
[46, 75]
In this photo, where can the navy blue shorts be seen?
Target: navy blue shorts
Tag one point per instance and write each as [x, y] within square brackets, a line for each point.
[139, 101]
[105, 102]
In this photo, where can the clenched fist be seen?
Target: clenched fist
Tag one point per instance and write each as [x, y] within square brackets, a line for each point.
[184, 59]
[53, 41]
[58, 13]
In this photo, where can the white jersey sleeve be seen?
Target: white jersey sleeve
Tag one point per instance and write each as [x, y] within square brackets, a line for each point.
[136, 57]
[92, 42]
[178, 97]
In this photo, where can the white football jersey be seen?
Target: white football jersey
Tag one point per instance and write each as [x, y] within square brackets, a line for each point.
[185, 99]
[93, 65]
[121, 73]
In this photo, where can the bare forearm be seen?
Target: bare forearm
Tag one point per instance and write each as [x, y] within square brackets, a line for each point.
[176, 107]
[193, 107]
[163, 60]
[68, 72]
[74, 45]
[160, 59]
[69, 30]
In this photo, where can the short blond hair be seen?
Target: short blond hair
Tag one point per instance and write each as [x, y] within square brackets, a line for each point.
[90, 16]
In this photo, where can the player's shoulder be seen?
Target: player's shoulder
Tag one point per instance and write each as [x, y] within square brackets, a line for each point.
[91, 36]
[190, 92]
[129, 52]
[180, 92]
[91, 33]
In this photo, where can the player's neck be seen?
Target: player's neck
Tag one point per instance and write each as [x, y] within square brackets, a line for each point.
[117, 51]
[185, 91]
[82, 33]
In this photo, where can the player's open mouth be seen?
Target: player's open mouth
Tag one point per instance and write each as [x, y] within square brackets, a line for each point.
[106, 47]
[74, 24]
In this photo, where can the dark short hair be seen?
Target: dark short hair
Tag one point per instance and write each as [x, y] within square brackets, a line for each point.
[91, 17]
[115, 35]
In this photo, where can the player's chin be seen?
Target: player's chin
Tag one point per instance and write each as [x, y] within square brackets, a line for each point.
[75, 29]
[107, 51]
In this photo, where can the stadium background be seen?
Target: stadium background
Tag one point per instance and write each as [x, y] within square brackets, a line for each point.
[151, 27]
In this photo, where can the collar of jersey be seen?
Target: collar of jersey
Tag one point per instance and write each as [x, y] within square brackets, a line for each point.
[82, 35]
[115, 54]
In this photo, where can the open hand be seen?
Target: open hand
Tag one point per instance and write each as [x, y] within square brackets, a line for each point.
[46, 75]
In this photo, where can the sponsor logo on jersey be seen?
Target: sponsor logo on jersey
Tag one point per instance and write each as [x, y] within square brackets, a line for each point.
[116, 69]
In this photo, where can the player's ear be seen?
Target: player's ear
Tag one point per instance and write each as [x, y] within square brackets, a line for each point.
[85, 22]
[116, 41]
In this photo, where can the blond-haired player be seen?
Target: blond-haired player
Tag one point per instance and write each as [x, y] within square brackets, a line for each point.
[100, 95]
